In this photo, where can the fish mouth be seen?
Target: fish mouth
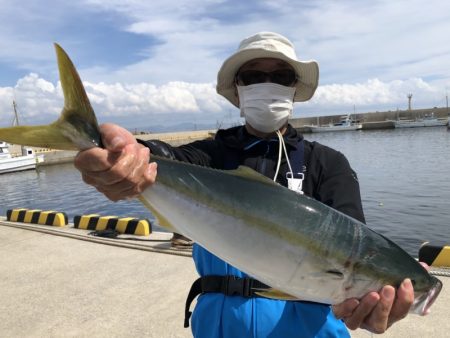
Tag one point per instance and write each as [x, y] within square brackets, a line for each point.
[423, 302]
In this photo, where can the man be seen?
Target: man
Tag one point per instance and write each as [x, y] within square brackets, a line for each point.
[263, 78]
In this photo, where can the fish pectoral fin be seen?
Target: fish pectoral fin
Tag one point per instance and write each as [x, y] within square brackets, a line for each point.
[249, 173]
[162, 221]
[334, 274]
[274, 294]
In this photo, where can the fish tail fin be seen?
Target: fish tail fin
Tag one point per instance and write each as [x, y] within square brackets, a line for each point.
[77, 126]
[77, 119]
[47, 136]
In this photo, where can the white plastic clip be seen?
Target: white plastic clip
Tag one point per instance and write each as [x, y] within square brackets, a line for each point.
[295, 183]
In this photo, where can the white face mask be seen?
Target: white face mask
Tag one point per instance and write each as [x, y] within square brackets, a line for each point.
[266, 106]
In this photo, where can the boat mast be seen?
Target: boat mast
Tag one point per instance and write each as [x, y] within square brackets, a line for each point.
[448, 116]
[446, 100]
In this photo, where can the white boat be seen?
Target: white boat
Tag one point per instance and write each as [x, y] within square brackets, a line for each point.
[408, 124]
[26, 161]
[427, 121]
[431, 121]
[345, 124]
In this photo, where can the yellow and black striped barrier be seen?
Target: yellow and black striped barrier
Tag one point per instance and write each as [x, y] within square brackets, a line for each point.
[433, 255]
[129, 225]
[54, 218]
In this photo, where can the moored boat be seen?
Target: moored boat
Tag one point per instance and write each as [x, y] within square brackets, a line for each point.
[409, 124]
[25, 161]
[427, 121]
[9, 163]
[345, 124]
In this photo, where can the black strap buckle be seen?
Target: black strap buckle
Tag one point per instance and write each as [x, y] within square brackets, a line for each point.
[228, 285]
[235, 286]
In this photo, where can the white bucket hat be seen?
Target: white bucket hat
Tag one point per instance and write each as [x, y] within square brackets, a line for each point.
[268, 45]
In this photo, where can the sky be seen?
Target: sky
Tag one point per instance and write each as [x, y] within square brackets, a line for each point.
[152, 65]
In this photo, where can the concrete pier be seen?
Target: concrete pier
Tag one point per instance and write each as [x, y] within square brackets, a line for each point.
[58, 283]
[57, 286]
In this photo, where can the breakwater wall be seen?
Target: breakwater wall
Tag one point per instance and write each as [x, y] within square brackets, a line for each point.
[178, 138]
[372, 118]
[65, 156]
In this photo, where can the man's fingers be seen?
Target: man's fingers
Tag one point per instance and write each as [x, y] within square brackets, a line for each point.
[345, 309]
[127, 170]
[94, 160]
[366, 305]
[115, 138]
[129, 188]
[121, 170]
[150, 173]
[403, 302]
[143, 159]
[378, 311]
[378, 319]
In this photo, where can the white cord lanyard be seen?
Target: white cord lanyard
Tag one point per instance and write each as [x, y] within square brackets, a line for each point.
[295, 182]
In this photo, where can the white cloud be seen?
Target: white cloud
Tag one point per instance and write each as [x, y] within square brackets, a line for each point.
[146, 104]
[373, 94]
[38, 100]
[146, 98]
[41, 101]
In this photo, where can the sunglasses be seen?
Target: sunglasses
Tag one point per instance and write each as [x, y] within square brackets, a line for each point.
[284, 77]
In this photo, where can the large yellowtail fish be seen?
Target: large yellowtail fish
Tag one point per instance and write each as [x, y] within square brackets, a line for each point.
[295, 244]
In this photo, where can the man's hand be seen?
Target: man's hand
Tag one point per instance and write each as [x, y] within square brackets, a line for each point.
[121, 170]
[376, 312]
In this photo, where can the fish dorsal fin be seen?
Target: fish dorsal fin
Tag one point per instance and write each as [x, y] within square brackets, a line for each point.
[249, 173]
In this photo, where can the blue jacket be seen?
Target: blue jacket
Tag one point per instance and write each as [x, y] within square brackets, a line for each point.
[220, 316]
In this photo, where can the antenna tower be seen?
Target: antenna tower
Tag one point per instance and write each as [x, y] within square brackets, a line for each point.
[16, 115]
[409, 101]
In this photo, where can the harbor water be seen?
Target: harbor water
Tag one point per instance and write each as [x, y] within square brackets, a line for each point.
[403, 174]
